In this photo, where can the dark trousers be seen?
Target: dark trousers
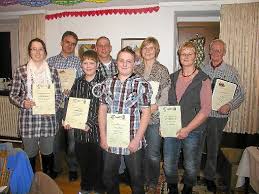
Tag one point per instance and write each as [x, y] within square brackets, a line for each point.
[213, 134]
[134, 166]
[89, 157]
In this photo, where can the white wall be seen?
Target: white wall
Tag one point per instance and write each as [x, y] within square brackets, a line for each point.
[116, 27]
[161, 25]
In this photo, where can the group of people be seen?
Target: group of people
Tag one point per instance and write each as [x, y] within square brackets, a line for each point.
[125, 89]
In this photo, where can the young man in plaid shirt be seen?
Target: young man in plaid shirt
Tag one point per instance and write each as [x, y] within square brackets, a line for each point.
[125, 93]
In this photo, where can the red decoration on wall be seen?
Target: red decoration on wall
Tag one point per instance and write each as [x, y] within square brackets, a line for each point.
[102, 12]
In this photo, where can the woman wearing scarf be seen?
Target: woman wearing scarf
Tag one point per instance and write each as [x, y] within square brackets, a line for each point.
[36, 130]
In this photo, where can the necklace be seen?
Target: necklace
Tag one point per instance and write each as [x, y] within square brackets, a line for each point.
[189, 74]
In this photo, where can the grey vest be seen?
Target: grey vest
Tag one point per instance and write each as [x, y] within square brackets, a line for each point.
[190, 101]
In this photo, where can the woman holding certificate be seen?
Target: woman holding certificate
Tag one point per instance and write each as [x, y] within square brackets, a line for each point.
[81, 115]
[191, 91]
[36, 91]
[158, 76]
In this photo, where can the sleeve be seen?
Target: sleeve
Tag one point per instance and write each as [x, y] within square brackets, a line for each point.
[58, 94]
[15, 94]
[206, 97]
[239, 95]
[165, 85]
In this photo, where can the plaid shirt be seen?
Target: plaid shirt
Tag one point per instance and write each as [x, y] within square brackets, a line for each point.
[33, 125]
[230, 74]
[127, 97]
[83, 89]
[109, 71]
[60, 62]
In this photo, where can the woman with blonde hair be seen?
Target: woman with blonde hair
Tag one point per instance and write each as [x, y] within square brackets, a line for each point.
[191, 90]
[153, 72]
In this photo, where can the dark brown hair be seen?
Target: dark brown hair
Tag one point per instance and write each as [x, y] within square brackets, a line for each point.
[89, 54]
[36, 40]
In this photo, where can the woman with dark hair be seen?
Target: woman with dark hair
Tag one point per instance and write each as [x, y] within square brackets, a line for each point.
[191, 90]
[36, 130]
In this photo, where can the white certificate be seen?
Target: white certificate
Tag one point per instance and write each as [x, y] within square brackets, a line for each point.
[67, 78]
[77, 112]
[223, 93]
[44, 98]
[155, 86]
[118, 130]
[170, 120]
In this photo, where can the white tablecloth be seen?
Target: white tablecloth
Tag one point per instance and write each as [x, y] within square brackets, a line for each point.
[249, 167]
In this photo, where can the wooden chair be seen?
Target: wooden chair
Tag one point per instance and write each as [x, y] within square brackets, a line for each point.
[5, 173]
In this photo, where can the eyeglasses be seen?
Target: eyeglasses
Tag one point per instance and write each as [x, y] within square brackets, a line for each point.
[35, 50]
[127, 62]
[186, 54]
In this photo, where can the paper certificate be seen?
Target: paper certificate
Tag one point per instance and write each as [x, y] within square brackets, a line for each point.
[170, 120]
[67, 78]
[155, 86]
[118, 130]
[77, 112]
[223, 93]
[44, 98]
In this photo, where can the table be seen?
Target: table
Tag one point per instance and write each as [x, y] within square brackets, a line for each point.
[249, 167]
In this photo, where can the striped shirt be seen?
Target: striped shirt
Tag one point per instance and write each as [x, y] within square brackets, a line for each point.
[127, 97]
[33, 125]
[61, 62]
[230, 74]
[83, 89]
[108, 70]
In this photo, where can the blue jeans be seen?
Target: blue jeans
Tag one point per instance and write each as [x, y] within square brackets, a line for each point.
[111, 172]
[213, 134]
[61, 145]
[191, 152]
[152, 155]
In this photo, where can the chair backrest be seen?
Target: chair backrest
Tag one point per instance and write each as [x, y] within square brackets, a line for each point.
[43, 184]
[5, 173]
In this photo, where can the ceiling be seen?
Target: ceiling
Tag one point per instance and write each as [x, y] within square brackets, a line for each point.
[112, 3]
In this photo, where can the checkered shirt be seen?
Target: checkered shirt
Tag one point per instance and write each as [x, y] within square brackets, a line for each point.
[109, 71]
[230, 74]
[60, 62]
[127, 97]
[33, 125]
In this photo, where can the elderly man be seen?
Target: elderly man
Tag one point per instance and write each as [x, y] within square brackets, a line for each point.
[218, 69]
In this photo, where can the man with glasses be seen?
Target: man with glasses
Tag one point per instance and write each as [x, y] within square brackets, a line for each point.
[218, 69]
[66, 59]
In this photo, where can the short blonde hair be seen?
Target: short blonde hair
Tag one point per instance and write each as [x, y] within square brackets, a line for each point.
[185, 45]
[150, 40]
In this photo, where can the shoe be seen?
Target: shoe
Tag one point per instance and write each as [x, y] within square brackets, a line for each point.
[72, 176]
[187, 189]
[124, 178]
[84, 192]
[54, 174]
[211, 186]
[172, 188]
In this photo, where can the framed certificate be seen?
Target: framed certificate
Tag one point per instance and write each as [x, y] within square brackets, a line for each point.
[118, 130]
[223, 93]
[77, 112]
[67, 78]
[170, 120]
[155, 86]
[44, 98]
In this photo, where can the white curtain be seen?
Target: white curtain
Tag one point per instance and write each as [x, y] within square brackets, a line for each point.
[30, 26]
[239, 28]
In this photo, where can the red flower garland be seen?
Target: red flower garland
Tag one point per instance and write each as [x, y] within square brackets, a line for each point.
[102, 12]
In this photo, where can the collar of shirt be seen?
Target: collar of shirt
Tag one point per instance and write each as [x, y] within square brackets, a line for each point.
[215, 66]
[132, 76]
